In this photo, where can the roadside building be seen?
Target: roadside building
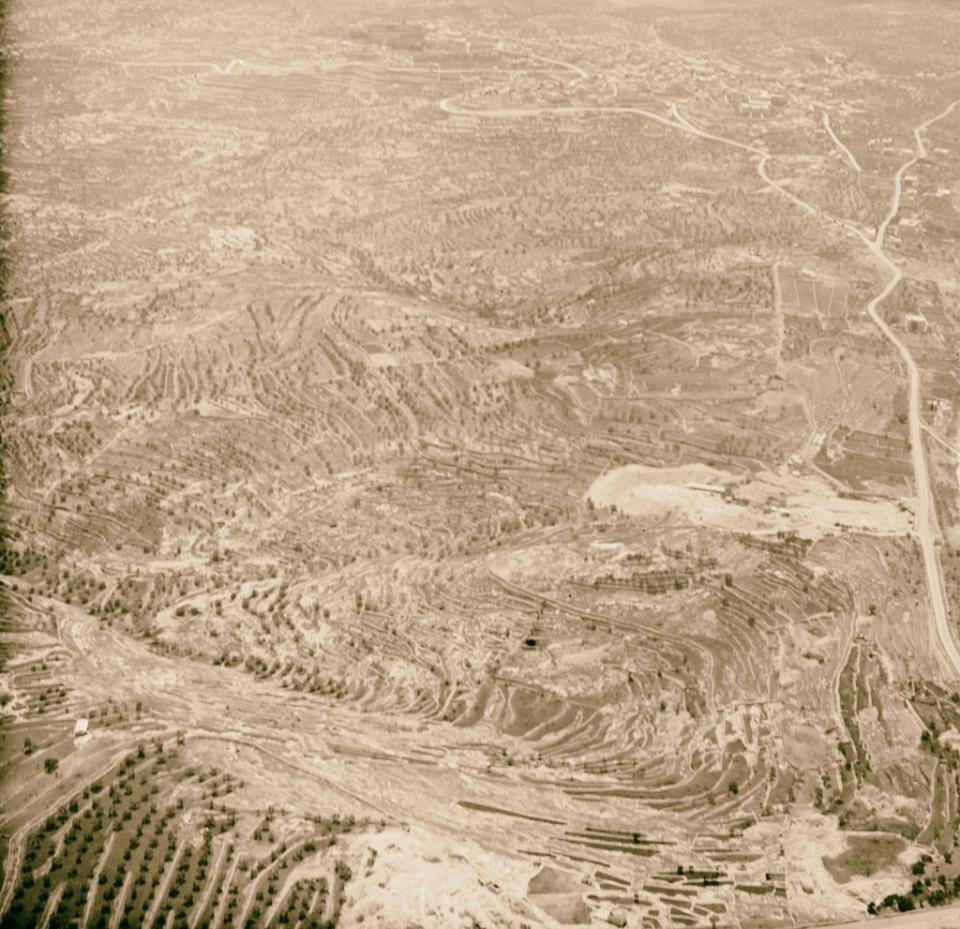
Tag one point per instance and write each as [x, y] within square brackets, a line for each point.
[916, 322]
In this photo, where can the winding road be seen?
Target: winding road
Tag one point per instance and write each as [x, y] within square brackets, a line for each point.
[925, 529]
[840, 146]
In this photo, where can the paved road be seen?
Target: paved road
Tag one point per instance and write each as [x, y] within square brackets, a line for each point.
[942, 918]
[586, 110]
[931, 560]
[925, 531]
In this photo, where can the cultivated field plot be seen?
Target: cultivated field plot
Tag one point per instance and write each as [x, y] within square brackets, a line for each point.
[487, 467]
[805, 295]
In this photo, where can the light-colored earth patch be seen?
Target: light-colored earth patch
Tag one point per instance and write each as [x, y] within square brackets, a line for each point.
[809, 839]
[764, 503]
[514, 368]
[420, 880]
[236, 237]
[804, 747]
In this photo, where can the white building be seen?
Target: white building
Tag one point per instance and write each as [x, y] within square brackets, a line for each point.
[916, 322]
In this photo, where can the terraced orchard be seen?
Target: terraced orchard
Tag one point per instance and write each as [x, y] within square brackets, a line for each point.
[484, 467]
[113, 856]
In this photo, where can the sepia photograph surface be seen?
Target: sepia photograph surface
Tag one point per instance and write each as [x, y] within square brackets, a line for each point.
[480, 465]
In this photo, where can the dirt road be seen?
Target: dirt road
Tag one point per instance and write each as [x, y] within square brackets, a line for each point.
[924, 523]
[836, 141]
[945, 918]
[925, 533]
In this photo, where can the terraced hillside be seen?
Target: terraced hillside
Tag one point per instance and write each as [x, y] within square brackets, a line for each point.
[490, 467]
